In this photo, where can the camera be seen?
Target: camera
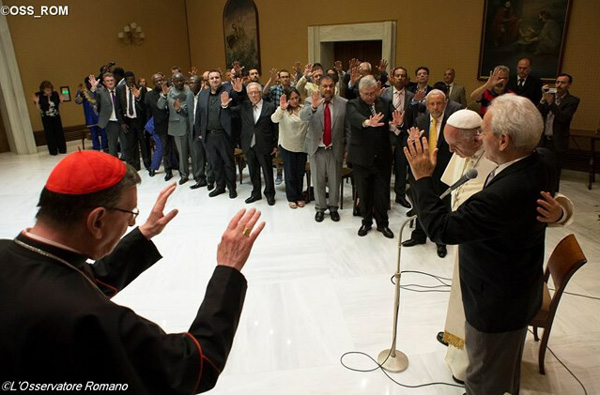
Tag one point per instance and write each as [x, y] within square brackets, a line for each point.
[549, 90]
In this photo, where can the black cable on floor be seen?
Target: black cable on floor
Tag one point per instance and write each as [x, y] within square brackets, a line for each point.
[565, 366]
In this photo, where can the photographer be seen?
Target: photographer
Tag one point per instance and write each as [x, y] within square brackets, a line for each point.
[558, 107]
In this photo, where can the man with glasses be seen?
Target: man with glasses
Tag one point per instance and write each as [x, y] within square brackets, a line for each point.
[59, 324]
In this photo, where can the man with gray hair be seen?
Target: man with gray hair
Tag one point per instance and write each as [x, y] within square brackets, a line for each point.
[495, 86]
[371, 119]
[462, 135]
[500, 240]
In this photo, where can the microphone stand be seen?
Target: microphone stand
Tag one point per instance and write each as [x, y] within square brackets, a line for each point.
[391, 359]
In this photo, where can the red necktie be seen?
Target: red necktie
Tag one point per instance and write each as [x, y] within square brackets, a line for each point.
[327, 132]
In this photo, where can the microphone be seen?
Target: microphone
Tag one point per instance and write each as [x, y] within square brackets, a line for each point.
[469, 175]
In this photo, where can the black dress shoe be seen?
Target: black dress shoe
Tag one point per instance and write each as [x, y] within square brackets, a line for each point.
[216, 192]
[211, 186]
[386, 231]
[412, 242]
[440, 338]
[401, 200]
[232, 194]
[199, 184]
[441, 250]
[168, 175]
[319, 216]
[183, 180]
[151, 173]
[335, 216]
[364, 229]
[253, 199]
[271, 201]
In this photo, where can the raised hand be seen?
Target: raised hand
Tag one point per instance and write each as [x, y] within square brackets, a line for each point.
[136, 92]
[315, 99]
[397, 118]
[238, 239]
[420, 95]
[93, 82]
[375, 120]
[354, 75]
[164, 87]
[283, 102]
[157, 220]
[273, 74]
[237, 68]
[414, 133]
[193, 71]
[35, 98]
[225, 99]
[308, 70]
[337, 65]
[417, 154]
[382, 67]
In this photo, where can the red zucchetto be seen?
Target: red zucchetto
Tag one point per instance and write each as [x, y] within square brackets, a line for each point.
[84, 172]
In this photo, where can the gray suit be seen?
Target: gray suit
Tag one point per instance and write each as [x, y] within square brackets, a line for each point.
[326, 163]
[459, 95]
[180, 123]
[105, 109]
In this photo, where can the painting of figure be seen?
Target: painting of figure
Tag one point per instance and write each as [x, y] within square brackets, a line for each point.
[240, 25]
[515, 29]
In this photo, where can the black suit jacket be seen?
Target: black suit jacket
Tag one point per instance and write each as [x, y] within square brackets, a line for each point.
[369, 143]
[443, 156]
[224, 113]
[160, 116]
[140, 106]
[563, 114]
[265, 131]
[532, 88]
[501, 243]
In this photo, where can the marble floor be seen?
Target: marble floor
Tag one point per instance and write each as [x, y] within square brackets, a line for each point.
[317, 291]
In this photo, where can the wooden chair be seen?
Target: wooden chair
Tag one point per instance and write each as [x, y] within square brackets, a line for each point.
[346, 174]
[565, 260]
[240, 161]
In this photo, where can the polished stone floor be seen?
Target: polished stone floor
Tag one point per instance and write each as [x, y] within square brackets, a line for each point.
[317, 291]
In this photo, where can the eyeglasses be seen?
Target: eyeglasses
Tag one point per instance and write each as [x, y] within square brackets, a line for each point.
[135, 212]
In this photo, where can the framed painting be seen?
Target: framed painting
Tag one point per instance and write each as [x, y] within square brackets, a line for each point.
[514, 29]
[240, 28]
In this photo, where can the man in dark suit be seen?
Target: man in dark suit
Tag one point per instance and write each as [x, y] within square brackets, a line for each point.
[161, 124]
[432, 123]
[370, 152]
[525, 84]
[106, 97]
[400, 98]
[259, 141]
[213, 120]
[501, 243]
[131, 112]
[557, 110]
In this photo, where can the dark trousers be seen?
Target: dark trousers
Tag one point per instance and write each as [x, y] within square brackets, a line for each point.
[165, 152]
[400, 171]
[135, 141]
[419, 232]
[256, 162]
[219, 148]
[113, 130]
[55, 136]
[494, 361]
[560, 157]
[373, 185]
[294, 166]
[199, 163]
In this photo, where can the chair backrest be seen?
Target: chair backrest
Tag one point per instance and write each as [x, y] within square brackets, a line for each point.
[565, 260]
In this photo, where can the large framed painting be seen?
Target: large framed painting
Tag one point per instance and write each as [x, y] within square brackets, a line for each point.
[514, 29]
[240, 27]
